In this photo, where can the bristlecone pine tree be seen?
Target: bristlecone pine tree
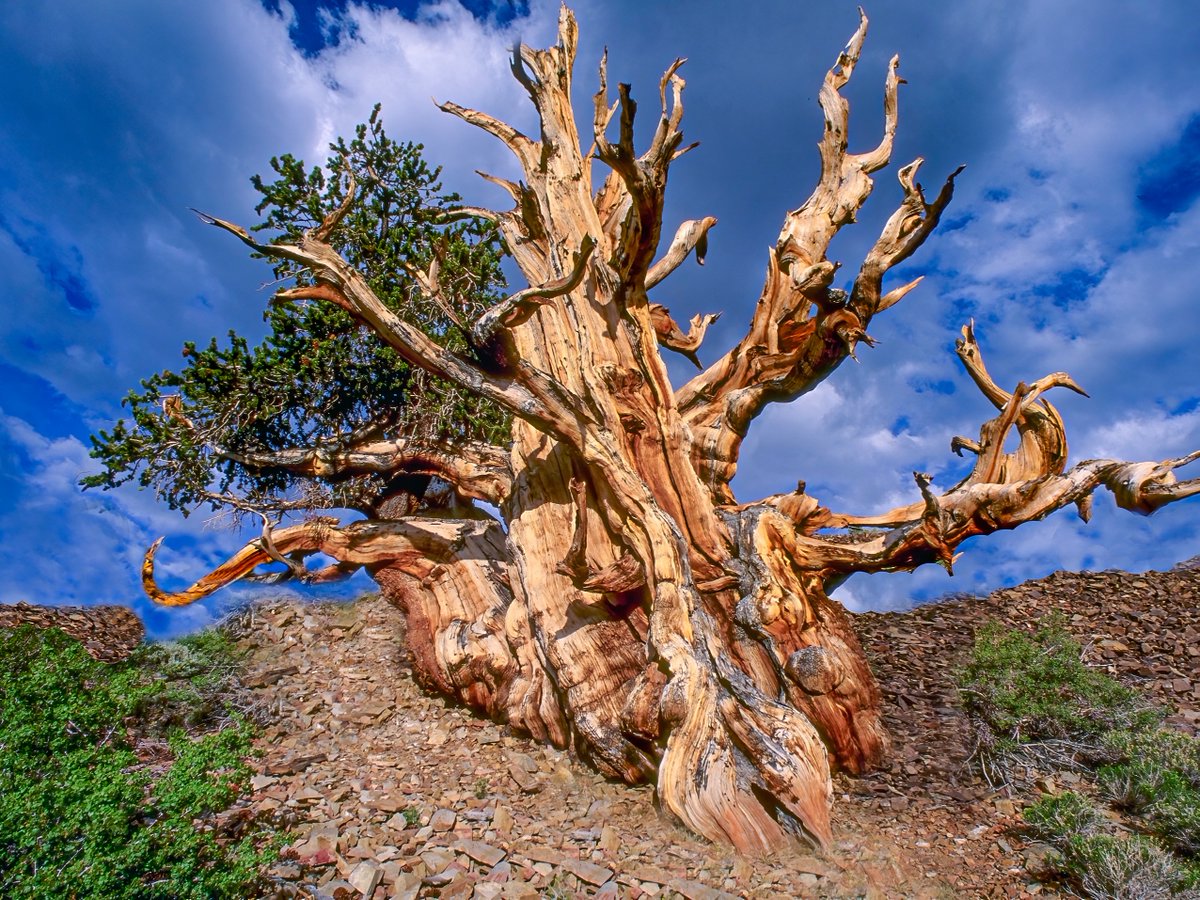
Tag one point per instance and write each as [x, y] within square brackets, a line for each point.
[628, 606]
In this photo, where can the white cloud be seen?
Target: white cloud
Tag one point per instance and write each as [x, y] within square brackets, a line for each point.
[124, 118]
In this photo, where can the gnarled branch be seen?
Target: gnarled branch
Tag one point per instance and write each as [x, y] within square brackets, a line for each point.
[904, 232]
[691, 236]
[524, 148]
[514, 310]
[803, 328]
[671, 336]
[532, 397]
[476, 470]
[641, 180]
[1003, 490]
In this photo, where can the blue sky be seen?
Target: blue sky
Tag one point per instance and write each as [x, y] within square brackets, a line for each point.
[1072, 241]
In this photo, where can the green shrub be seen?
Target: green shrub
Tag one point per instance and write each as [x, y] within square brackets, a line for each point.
[1132, 786]
[1156, 775]
[1056, 817]
[1121, 868]
[1175, 814]
[1103, 865]
[1035, 703]
[80, 812]
[1162, 747]
[196, 681]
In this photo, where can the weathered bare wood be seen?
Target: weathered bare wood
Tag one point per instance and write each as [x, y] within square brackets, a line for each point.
[803, 328]
[476, 470]
[631, 608]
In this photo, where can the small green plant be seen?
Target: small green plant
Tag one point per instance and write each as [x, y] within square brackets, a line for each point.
[1162, 747]
[1121, 868]
[1155, 774]
[1131, 786]
[481, 788]
[412, 816]
[1103, 865]
[77, 805]
[1175, 814]
[1035, 703]
[197, 682]
[1055, 817]
[557, 889]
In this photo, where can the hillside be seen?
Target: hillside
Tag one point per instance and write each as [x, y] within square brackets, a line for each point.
[391, 790]
[358, 746]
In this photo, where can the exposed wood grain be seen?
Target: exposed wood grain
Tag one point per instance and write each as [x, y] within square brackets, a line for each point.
[629, 606]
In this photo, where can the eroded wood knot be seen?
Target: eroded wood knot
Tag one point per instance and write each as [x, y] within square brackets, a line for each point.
[622, 382]
[814, 669]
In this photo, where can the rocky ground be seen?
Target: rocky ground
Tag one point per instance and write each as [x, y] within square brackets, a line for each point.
[109, 633]
[394, 793]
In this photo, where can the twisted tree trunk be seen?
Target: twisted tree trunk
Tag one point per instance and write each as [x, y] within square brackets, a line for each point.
[633, 609]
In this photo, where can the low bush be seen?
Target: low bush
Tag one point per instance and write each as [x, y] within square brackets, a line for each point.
[1100, 864]
[1155, 774]
[1162, 747]
[81, 815]
[1036, 704]
[195, 683]
[1132, 786]
[1108, 867]
[1057, 816]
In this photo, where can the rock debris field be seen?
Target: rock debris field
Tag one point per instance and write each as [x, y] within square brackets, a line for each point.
[394, 793]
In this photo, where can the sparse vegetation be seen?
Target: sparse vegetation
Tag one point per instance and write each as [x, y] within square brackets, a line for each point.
[1060, 815]
[1156, 776]
[1102, 864]
[1037, 706]
[101, 786]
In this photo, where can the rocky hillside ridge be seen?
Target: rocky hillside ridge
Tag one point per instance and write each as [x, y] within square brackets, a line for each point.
[393, 793]
[108, 633]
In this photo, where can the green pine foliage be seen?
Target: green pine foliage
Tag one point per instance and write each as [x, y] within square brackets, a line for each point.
[318, 378]
[81, 815]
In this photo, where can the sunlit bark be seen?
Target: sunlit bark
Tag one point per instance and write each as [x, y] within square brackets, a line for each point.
[630, 607]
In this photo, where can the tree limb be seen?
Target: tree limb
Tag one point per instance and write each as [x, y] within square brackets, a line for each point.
[642, 180]
[671, 336]
[531, 398]
[691, 235]
[409, 542]
[476, 470]
[803, 328]
[978, 508]
[904, 232]
[1002, 491]
[517, 308]
[524, 148]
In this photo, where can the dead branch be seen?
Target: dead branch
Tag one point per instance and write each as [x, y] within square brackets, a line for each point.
[803, 328]
[479, 471]
[692, 235]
